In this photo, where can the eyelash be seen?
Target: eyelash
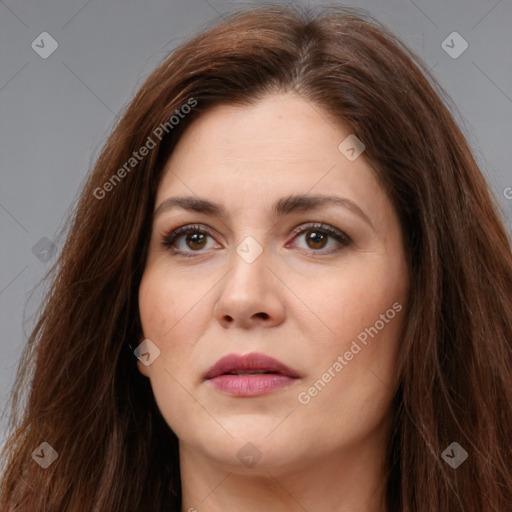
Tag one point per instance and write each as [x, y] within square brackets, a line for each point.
[170, 238]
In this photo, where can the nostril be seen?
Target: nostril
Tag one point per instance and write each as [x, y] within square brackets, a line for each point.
[262, 315]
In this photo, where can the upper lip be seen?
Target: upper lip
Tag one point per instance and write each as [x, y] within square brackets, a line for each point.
[238, 363]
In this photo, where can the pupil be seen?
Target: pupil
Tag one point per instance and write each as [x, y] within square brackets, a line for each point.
[317, 238]
[196, 238]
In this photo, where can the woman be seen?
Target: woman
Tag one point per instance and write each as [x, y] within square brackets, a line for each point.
[286, 285]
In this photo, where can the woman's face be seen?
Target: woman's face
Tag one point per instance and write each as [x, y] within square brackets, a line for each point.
[259, 273]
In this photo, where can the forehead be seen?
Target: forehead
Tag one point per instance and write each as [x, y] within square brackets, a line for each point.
[248, 155]
[277, 126]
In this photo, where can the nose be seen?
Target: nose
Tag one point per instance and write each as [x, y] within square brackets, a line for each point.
[251, 294]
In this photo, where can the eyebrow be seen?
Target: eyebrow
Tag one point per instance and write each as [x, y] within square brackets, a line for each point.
[284, 206]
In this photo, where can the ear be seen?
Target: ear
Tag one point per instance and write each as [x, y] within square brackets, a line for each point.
[143, 368]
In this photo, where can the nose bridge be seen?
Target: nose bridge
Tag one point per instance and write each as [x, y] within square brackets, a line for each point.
[248, 294]
[248, 264]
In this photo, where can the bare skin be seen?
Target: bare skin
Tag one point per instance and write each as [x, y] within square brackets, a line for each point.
[304, 300]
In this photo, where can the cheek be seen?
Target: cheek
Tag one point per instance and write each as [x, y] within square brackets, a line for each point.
[160, 313]
[174, 314]
[164, 321]
[371, 318]
[339, 305]
[164, 304]
[153, 300]
[359, 316]
[351, 385]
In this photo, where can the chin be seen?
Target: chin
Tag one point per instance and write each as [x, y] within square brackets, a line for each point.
[255, 446]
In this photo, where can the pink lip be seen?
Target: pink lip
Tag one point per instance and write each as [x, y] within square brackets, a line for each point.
[231, 374]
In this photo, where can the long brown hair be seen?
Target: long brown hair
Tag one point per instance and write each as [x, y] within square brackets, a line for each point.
[84, 394]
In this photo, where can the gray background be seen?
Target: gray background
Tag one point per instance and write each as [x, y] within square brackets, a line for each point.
[56, 112]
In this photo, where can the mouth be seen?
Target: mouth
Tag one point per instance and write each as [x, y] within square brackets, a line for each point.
[250, 375]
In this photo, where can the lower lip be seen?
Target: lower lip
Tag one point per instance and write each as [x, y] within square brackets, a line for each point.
[251, 385]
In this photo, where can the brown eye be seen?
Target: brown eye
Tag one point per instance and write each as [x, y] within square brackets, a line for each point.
[187, 240]
[316, 239]
[190, 239]
[195, 240]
